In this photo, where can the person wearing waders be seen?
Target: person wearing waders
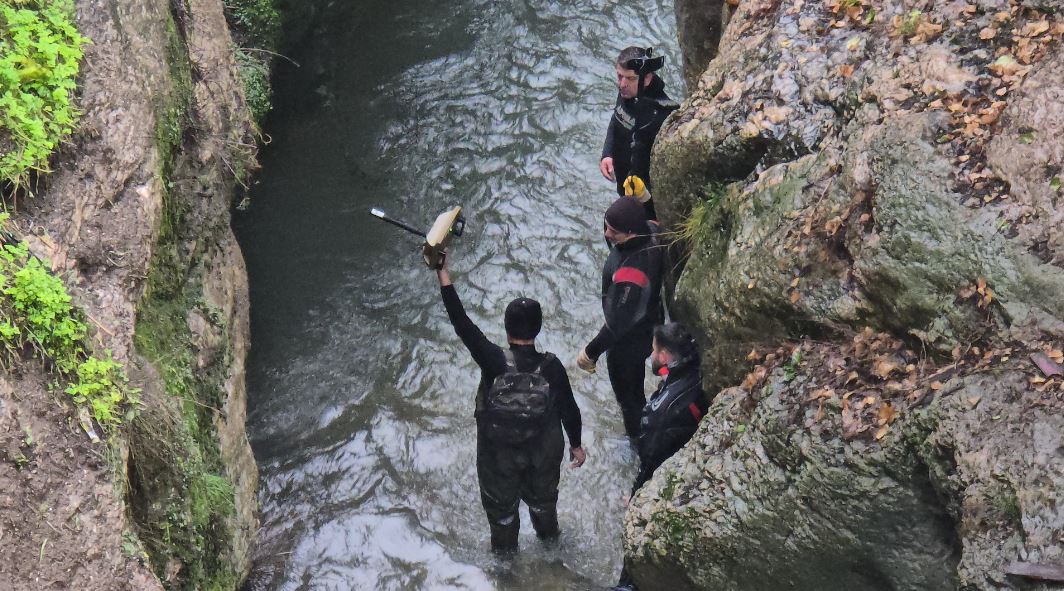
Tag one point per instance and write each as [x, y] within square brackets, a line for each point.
[638, 114]
[523, 401]
[631, 303]
[672, 413]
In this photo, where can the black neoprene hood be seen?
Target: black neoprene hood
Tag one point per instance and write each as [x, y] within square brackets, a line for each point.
[524, 318]
[627, 215]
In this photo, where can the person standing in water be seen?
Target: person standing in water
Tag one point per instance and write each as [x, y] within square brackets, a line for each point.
[631, 304]
[641, 108]
[523, 401]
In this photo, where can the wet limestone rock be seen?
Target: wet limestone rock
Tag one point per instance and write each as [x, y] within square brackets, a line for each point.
[768, 496]
[842, 165]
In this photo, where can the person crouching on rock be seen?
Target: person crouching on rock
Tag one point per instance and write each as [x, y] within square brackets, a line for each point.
[631, 303]
[672, 414]
[523, 400]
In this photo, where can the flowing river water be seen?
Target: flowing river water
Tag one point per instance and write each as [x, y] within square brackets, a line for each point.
[361, 395]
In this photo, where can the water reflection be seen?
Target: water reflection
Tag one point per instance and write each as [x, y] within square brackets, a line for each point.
[361, 395]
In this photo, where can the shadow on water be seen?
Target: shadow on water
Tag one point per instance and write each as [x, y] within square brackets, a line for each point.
[361, 396]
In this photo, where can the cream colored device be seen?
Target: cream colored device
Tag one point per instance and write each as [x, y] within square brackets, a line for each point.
[447, 224]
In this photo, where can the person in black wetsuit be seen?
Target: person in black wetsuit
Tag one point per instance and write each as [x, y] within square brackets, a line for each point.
[672, 414]
[529, 472]
[631, 302]
[642, 106]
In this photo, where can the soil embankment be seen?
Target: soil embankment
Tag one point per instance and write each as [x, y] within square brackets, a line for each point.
[135, 219]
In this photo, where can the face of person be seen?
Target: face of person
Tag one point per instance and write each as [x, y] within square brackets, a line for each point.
[628, 82]
[613, 235]
[659, 357]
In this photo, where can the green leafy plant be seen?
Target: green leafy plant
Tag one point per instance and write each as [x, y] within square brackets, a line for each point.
[255, 75]
[40, 54]
[911, 23]
[256, 29]
[101, 386]
[256, 20]
[694, 227]
[36, 310]
[43, 306]
[790, 369]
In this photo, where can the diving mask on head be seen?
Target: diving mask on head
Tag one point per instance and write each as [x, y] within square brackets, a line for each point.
[646, 63]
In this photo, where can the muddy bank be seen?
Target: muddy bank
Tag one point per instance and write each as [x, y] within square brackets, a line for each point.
[869, 261]
[135, 219]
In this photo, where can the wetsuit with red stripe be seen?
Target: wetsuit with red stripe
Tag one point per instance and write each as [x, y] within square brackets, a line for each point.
[631, 303]
[670, 418]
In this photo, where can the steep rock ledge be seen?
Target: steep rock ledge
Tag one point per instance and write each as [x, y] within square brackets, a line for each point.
[135, 218]
[890, 165]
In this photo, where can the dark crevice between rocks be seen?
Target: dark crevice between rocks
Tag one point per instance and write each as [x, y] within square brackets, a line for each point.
[701, 24]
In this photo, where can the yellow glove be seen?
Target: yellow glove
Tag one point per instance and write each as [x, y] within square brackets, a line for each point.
[635, 187]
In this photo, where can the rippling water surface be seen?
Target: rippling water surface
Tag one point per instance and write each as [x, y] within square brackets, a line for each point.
[361, 396]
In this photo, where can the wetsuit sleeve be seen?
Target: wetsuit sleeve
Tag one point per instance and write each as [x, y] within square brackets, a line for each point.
[565, 401]
[601, 343]
[643, 141]
[484, 352]
[627, 307]
[607, 146]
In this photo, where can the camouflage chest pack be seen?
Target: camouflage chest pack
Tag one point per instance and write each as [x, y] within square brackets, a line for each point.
[517, 406]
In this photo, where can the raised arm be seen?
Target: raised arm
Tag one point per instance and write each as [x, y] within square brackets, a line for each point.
[479, 346]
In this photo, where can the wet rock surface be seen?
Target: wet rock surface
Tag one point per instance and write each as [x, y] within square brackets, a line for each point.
[844, 165]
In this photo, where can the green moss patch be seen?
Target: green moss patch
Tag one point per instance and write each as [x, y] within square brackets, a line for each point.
[179, 495]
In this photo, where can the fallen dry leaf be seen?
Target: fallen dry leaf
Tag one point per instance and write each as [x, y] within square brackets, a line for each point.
[833, 225]
[1034, 29]
[1005, 65]
[974, 401]
[883, 368]
[988, 33]
[926, 31]
[886, 414]
[795, 296]
[821, 394]
[754, 378]
[882, 432]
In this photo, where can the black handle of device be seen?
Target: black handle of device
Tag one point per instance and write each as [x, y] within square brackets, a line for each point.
[397, 223]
